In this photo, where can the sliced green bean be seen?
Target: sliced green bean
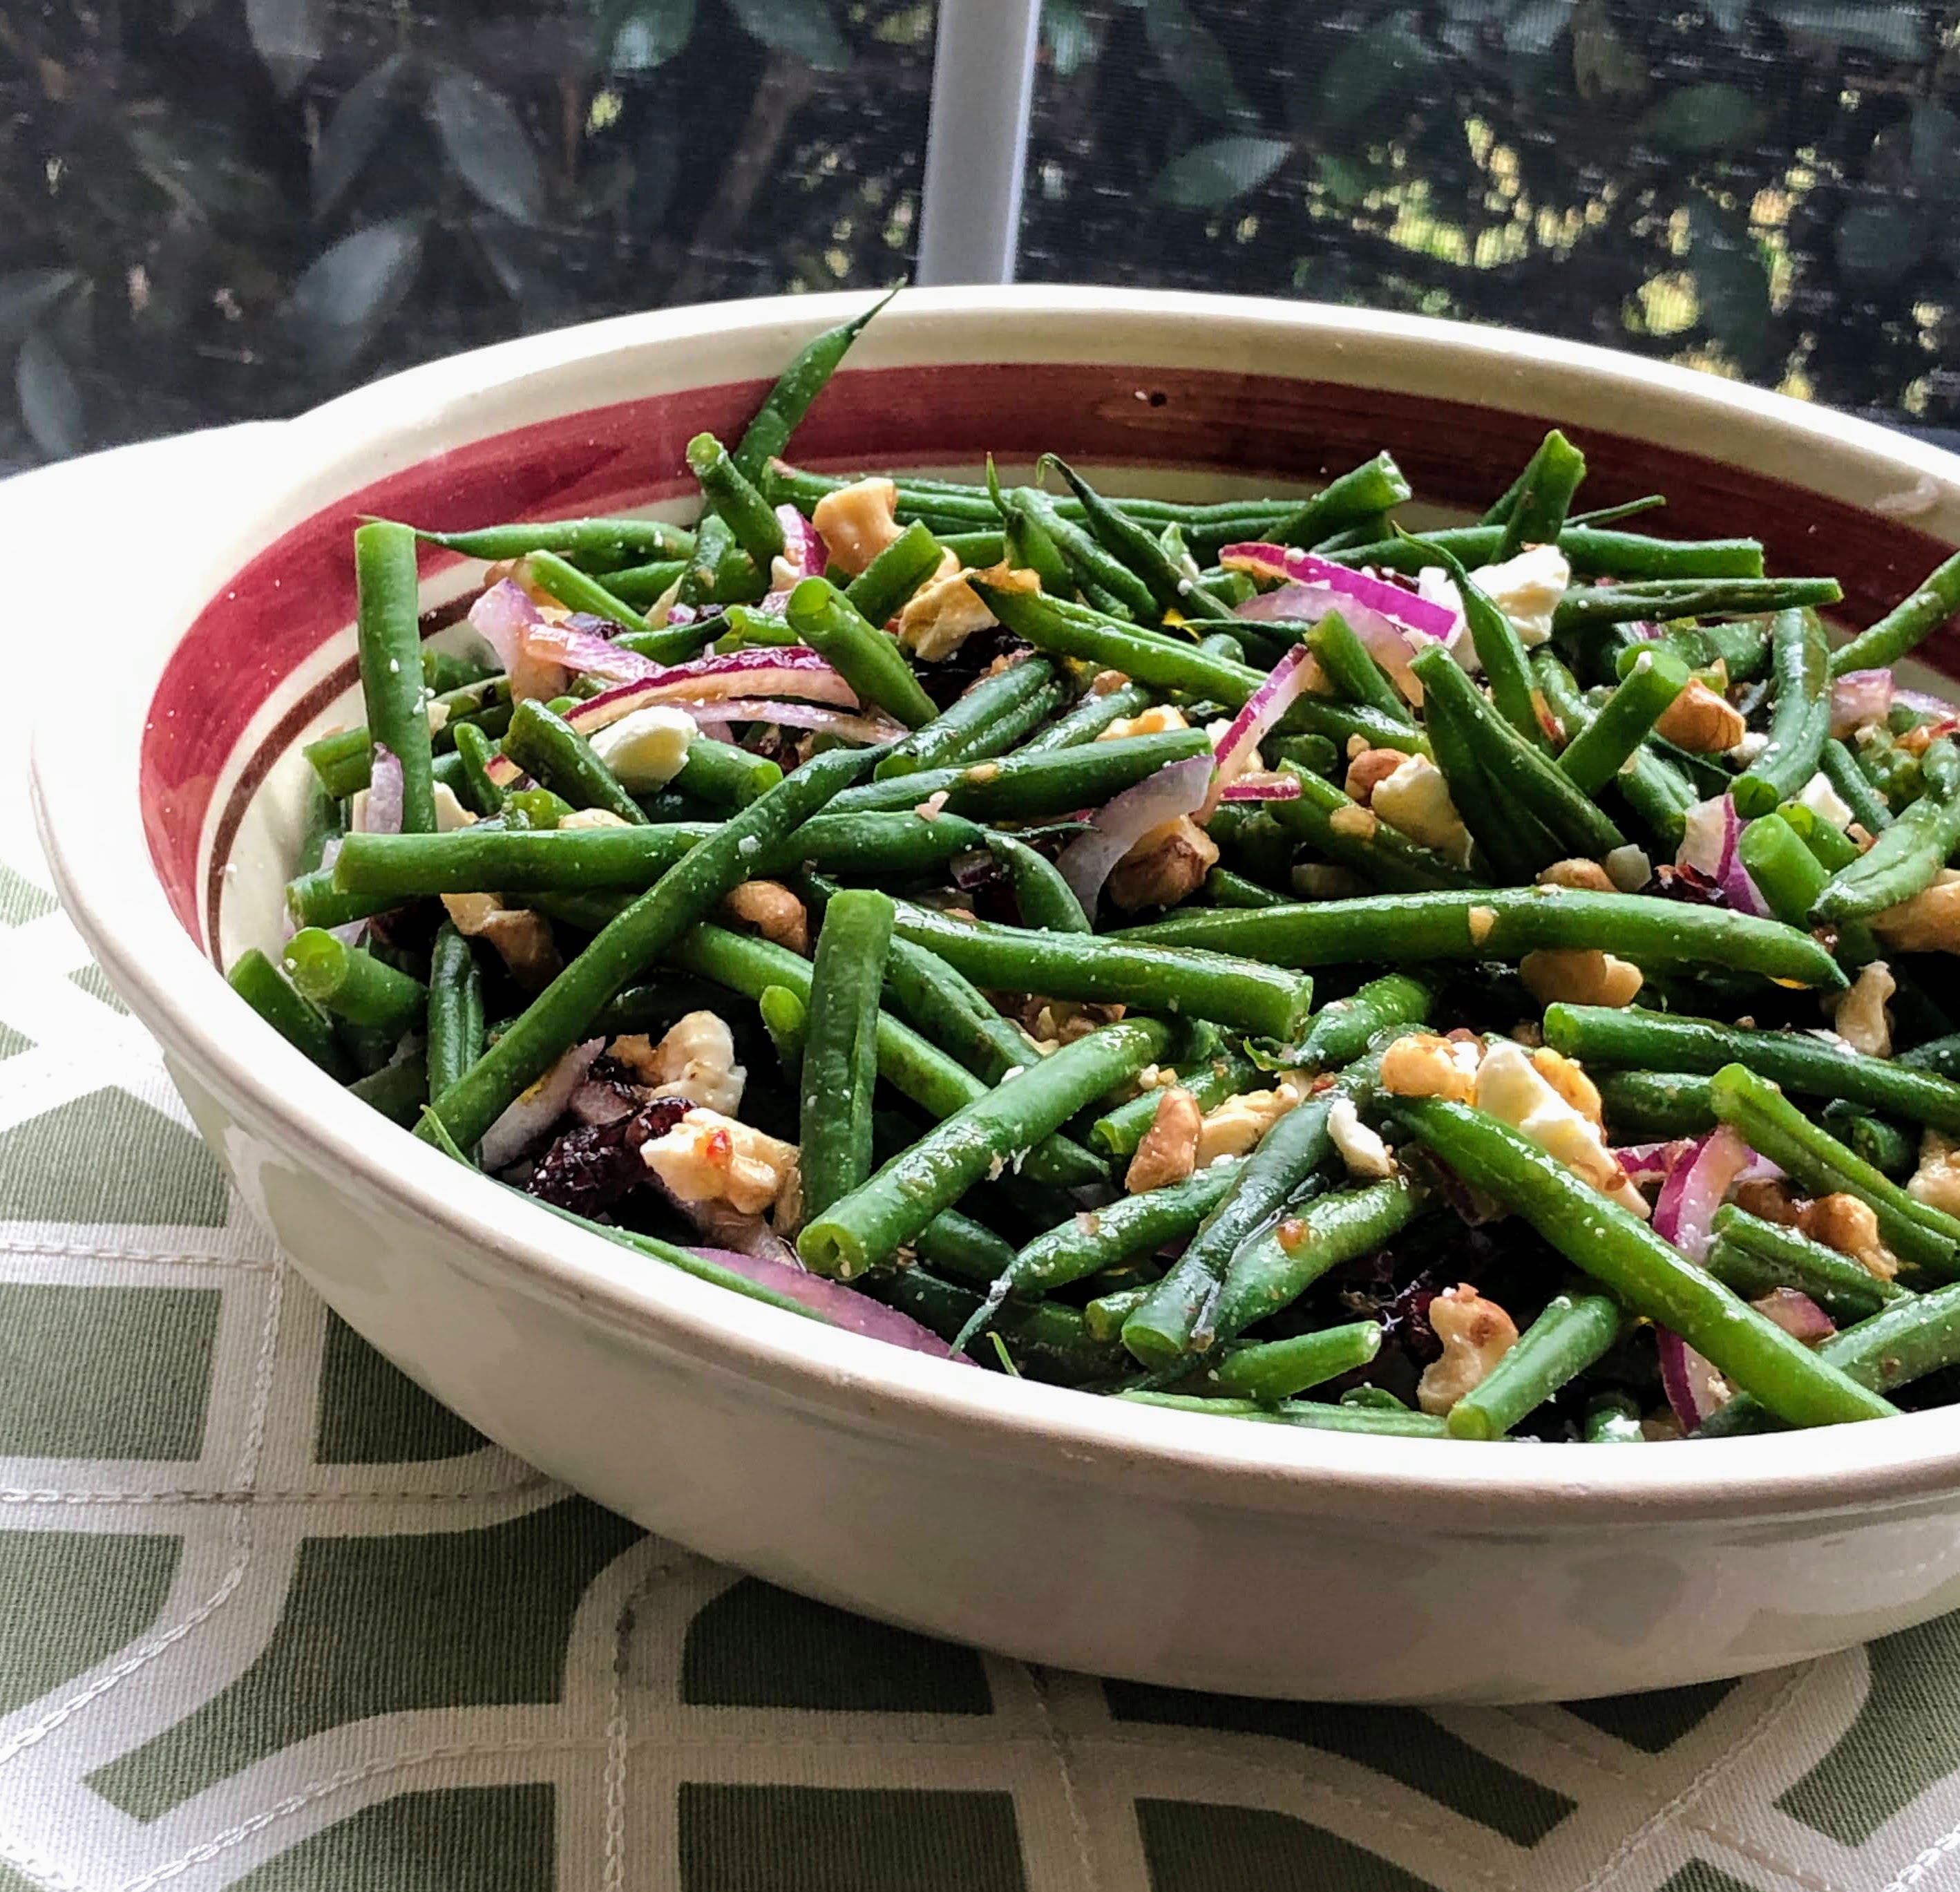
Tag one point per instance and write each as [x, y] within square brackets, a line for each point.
[1045, 1340]
[786, 1018]
[1355, 674]
[1028, 786]
[1211, 1080]
[729, 491]
[1589, 550]
[455, 1009]
[298, 1020]
[1500, 652]
[987, 720]
[1908, 624]
[352, 984]
[1328, 820]
[578, 592]
[1753, 1256]
[1046, 902]
[599, 543]
[1138, 547]
[869, 660]
[1800, 668]
[547, 747]
[399, 1090]
[939, 1003]
[642, 585]
[840, 1063]
[799, 385]
[881, 591]
[1663, 599]
[1537, 515]
[1904, 859]
[1612, 1418]
[1597, 754]
[1342, 1030]
[388, 632]
[1102, 1238]
[1645, 1106]
[1351, 498]
[1271, 1371]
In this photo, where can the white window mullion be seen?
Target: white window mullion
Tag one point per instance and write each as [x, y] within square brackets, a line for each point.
[983, 82]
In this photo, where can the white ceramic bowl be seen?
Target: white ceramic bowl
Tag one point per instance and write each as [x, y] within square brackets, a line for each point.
[1061, 1528]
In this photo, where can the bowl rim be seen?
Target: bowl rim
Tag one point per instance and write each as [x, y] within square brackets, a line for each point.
[87, 812]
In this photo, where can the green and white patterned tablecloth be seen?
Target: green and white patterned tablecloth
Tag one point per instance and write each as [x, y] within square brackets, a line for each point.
[270, 1618]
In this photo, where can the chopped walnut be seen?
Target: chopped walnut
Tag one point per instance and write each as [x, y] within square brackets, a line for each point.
[1482, 922]
[857, 522]
[1233, 1127]
[1421, 1064]
[1929, 922]
[947, 610]
[1168, 1152]
[709, 1158]
[1589, 876]
[1475, 1333]
[521, 938]
[1699, 720]
[1768, 1199]
[1160, 719]
[773, 910]
[1356, 822]
[1579, 975]
[695, 1060]
[1859, 1014]
[1937, 1181]
[1168, 864]
[1370, 766]
[1843, 1222]
[1568, 1078]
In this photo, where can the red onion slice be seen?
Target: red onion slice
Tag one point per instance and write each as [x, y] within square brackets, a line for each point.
[804, 556]
[1695, 1388]
[842, 1307]
[1696, 1188]
[1925, 705]
[1860, 696]
[527, 1121]
[381, 812]
[1709, 844]
[1796, 1313]
[1283, 686]
[1122, 822]
[1419, 614]
[1262, 788]
[1653, 1162]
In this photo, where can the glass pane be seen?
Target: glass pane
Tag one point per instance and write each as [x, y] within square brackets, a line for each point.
[220, 210]
[1763, 188]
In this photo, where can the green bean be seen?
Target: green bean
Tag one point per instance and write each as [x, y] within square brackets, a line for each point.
[1046, 902]
[869, 660]
[547, 747]
[1612, 1418]
[1341, 1032]
[1223, 887]
[840, 1063]
[980, 548]
[728, 491]
[1589, 551]
[1881, 1143]
[987, 719]
[399, 1090]
[1854, 788]
[599, 543]
[879, 844]
[1238, 993]
[1501, 923]
[455, 1009]
[952, 1244]
[1904, 859]
[1919, 1234]
[1832, 849]
[1138, 548]
[1092, 715]
[1798, 1061]
[557, 1018]
[1312, 1413]
[1500, 652]
[1742, 650]
[881, 590]
[1274, 1270]
[1512, 843]
[1355, 674]
[1601, 604]
[721, 773]
[1551, 477]
[1939, 1056]
[768, 433]
[1185, 1310]
[1026, 786]
[352, 984]
[388, 633]
[872, 1223]
[1626, 509]
[1096, 568]
[1512, 765]
[1375, 486]
[1045, 1340]
[1573, 1332]
[940, 1004]
[298, 1020]
[1320, 815]
[1271, 1370]
[1752, 1256]
[1908, 623]
[578, 592]
[751, 627]
[1596, 755]
[1789, 876]
[483, 794]
[1655, 1106]
[1132, 1225]
[642, 585]
[913, 1067]
[786, 1018]
[396, 866]
[1210, 1081]
[1903, 1342]
[1800, 666]
[1656, 790]
[1026, 546]
[313, 900]
[1645, 1273]
[714, 545]
[1104, 1317]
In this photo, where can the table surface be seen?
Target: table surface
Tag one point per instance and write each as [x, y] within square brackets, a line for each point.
[270, 1617]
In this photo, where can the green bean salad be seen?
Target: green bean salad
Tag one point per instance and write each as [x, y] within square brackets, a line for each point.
[1243, 957]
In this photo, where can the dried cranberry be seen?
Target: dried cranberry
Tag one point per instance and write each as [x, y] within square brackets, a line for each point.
[1687, 884]
[587, 1170]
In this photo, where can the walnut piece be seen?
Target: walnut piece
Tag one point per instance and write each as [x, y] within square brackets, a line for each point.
[709, 1158]
[1937, 1181]
[1168, 864]
[857, 522]
[1421, 1064]
[773, 910]
[1168, 1152]
[1588, 876]
[1859, 1014]
[1369, 767]
[1699, 720]
[521, 938]
[1233, 1127]
[695, 1060]
[1929, 922]
[1160, 719]
[1843, 1222]
[1475, 1333]
[1579, 976]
